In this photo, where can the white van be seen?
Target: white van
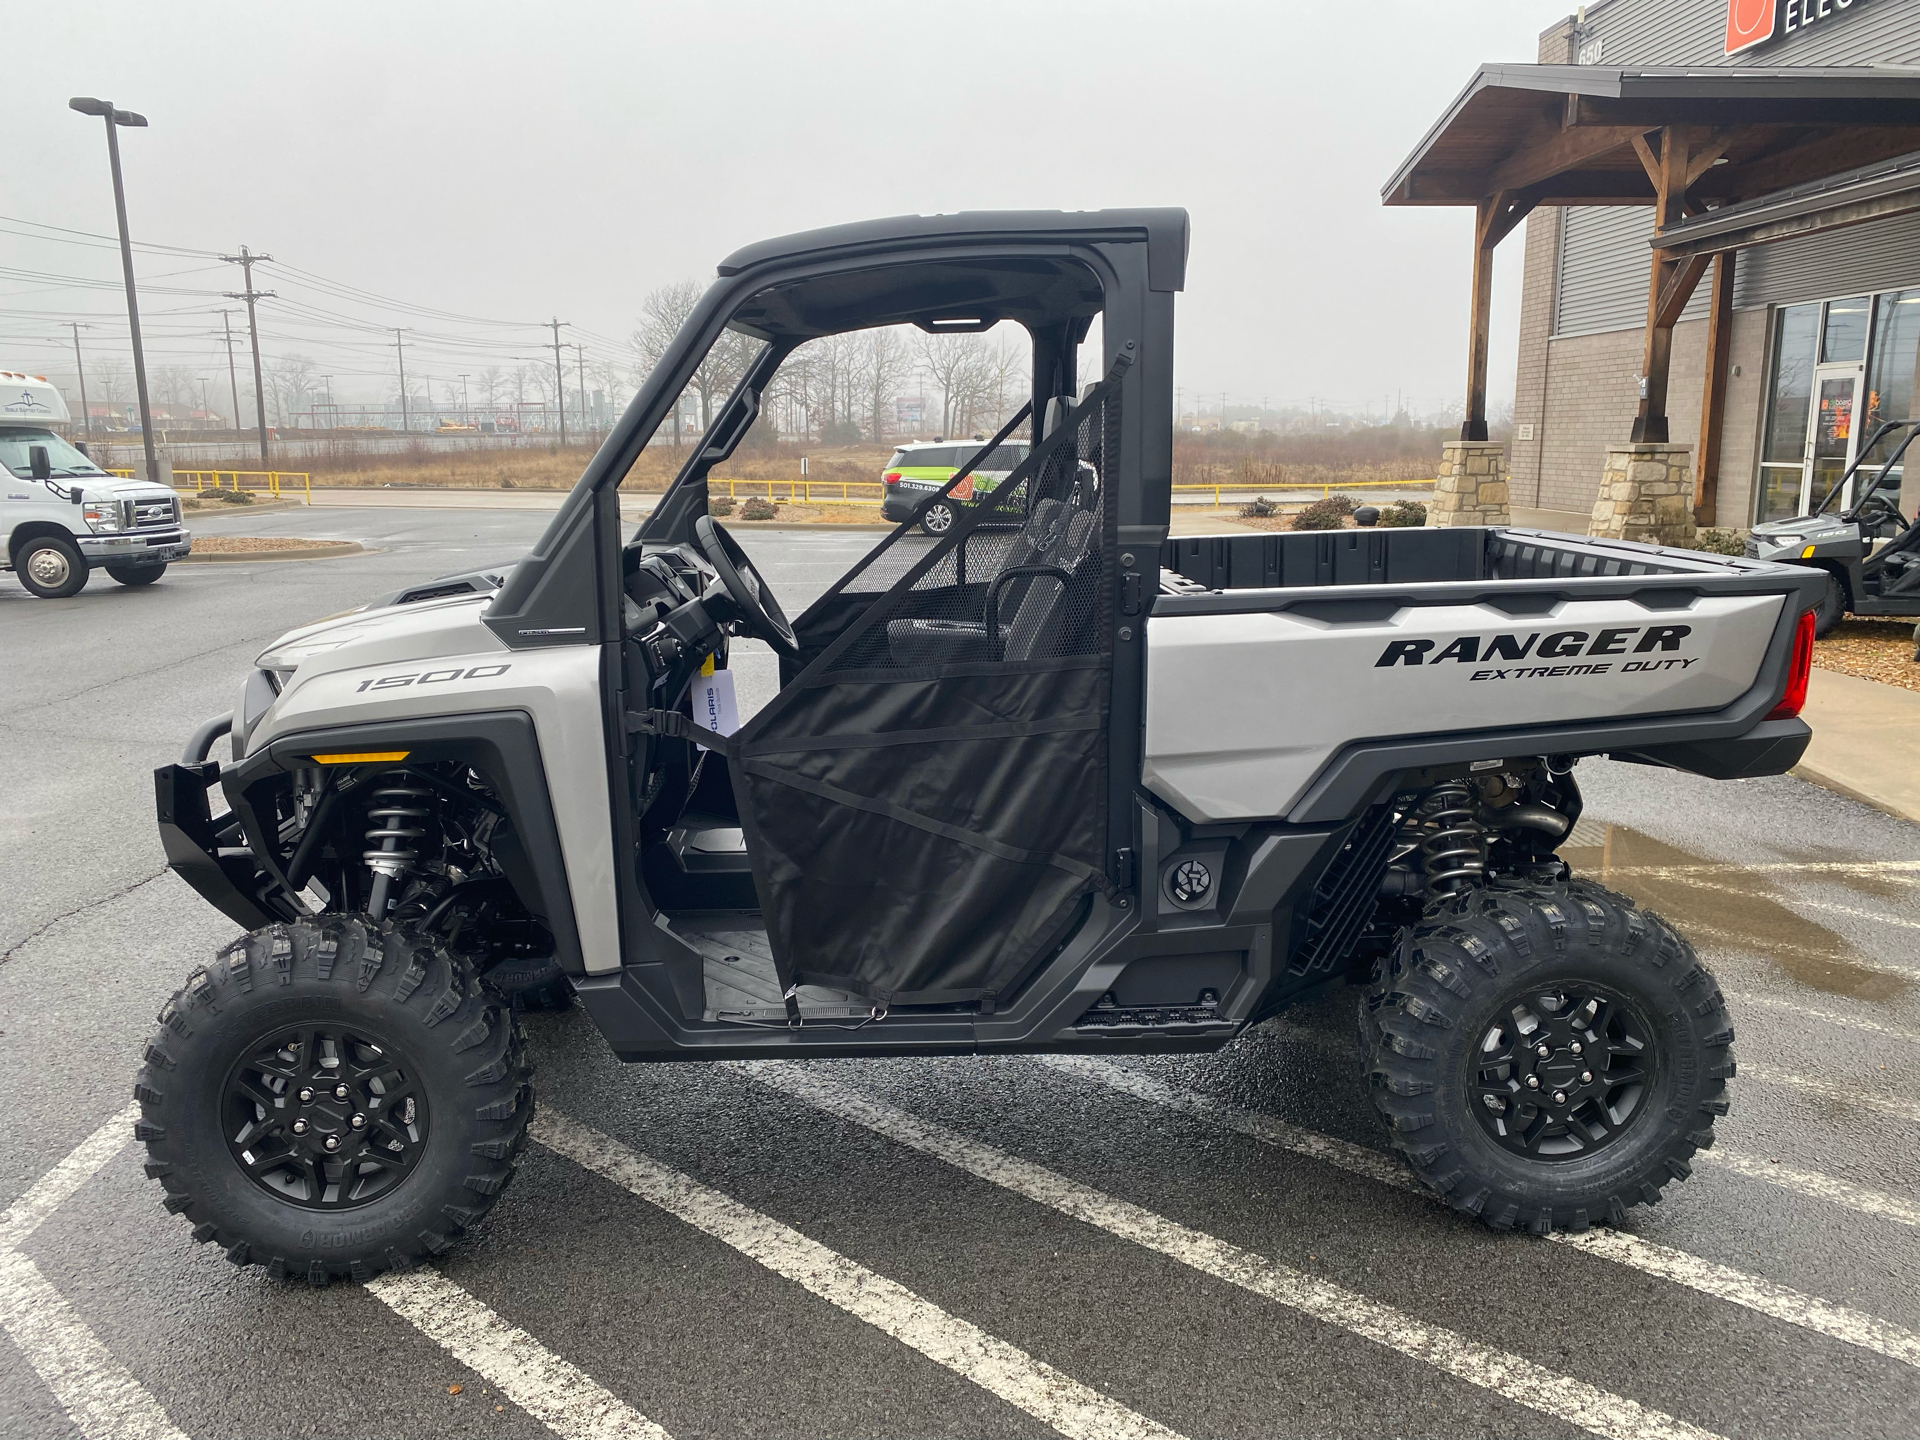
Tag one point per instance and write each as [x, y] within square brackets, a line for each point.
[61, 515]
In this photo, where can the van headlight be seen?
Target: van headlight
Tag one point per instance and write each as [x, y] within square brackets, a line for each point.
[102, 516]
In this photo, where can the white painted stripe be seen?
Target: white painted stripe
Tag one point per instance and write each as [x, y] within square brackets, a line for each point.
[98, 1393]
[1830, 1090]
[561, 1396]
[1005, 1370]
[1854, 1327]
[1519, 1380]
[1877, 1203]
[1828, 1017]
[57, 1186]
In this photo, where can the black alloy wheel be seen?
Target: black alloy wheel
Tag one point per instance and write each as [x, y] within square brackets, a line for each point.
[1562, 1071]
[327, 1117]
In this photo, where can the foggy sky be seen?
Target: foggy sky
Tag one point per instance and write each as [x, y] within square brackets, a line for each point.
[520, 161]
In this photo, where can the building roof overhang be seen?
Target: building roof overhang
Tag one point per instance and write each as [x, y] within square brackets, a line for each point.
[1870, 192]
[1565, 134]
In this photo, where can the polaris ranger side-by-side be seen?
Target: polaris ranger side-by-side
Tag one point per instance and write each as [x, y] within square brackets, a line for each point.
[1049, 781]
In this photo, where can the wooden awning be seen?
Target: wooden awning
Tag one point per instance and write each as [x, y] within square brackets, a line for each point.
[1693, 144]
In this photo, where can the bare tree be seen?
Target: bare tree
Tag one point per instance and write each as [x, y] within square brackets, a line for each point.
[662, 314]
[490, 386]
[888, 364]
[962, 367]
[290, 386]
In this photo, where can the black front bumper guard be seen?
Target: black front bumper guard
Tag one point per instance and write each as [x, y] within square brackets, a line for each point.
[212, 855]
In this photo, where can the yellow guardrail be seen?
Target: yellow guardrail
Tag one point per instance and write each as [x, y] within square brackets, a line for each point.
[123, 474]
[873, 491]
[273, 482]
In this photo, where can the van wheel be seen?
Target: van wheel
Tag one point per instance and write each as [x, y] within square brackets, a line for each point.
[332, 1099]
[1832, 608]
[137, 574]
[51, 567]
[1546, 1055]
[936, 519]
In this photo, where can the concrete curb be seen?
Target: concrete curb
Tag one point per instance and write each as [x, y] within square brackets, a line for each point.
[259, 507]
[1866, 742]
[316, 552]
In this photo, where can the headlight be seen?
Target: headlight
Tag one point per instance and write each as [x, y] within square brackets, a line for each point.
[102, 516]
[282, 660]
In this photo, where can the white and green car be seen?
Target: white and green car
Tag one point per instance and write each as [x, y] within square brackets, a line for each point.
[919, 468]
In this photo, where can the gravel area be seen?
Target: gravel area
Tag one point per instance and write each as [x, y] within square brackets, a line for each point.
[247, 544]
[1873, 650]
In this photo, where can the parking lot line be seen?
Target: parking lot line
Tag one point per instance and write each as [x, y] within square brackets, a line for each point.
[1830, 1017]
[98, 1393]
[1003, 1369]
[555, 1392]
[1829, 1090]
[1877, 1203]
[1517, 1379]
[1723, 1282]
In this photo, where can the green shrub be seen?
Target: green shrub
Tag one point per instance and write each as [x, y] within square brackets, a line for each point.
[758, 509]
[1329, 513]
[1258, 508]
[719, 504]
[1403, 513]
[1720, 542]
[225, 497]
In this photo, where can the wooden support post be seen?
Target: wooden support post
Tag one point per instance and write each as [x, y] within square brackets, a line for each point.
[1473, 425]
[1668, 284]
[1493, 220]
[1713, 401]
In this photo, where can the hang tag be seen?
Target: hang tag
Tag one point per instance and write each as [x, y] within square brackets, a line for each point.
[713, 703]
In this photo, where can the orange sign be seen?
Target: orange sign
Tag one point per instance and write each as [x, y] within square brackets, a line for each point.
[1749, 23]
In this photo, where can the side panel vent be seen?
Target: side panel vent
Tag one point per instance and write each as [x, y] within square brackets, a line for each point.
[1345, 898]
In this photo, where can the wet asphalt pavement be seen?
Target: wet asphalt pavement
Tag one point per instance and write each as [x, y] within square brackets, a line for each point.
[1208, 1245]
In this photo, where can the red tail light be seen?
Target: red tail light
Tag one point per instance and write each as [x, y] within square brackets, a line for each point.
[892, 477]
[1797, 670]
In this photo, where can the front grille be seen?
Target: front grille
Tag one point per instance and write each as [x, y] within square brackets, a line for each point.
[163, 513]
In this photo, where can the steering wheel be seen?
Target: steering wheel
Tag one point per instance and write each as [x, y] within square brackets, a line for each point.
[758, 608]
[1878, 510]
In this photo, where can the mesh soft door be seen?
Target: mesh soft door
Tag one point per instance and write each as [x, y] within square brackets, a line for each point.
[926, 802]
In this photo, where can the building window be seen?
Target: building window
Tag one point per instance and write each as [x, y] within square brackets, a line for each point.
[1839, 368]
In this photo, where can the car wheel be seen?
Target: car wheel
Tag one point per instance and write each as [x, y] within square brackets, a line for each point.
[137, 574]
[1832, 608]
[1546, 1055]
[937, 518]
[51, 567]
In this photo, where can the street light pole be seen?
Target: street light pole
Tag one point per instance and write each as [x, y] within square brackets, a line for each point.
[86, 105]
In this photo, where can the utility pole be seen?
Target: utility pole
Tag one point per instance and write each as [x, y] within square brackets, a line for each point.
[580, 354]
[560, 379]
[86, 415]
[246, 261]
[233, 380]
[466, 416]
[400, 349]
[87, 105]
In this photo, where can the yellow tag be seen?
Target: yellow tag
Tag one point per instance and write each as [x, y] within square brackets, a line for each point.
[706, 666]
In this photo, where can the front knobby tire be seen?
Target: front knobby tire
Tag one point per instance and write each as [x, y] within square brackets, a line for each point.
[253, 1146]
[1451, 1031]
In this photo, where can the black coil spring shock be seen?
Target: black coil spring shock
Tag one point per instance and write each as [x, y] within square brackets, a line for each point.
[398, 816]
[1453, 852]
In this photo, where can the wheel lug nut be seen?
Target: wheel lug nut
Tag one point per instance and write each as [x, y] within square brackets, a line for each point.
[340, 1092]
[299, 1127]
[1586, 1077]
[332, 1142]
[359, 1122]
[1559, 1098]
[1543, 1052]
[1574, 1047]
[306, 1094]
[1533, 1082]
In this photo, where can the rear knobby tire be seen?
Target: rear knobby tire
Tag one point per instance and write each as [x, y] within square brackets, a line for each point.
[1448, 986]
[461, 1047]
[1832, 606]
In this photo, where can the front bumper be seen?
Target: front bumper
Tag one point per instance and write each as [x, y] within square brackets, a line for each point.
[139, 547]
[212, 855]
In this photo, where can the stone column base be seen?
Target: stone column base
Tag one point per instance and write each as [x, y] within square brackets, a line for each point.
[1472, 487]
[1646, 494]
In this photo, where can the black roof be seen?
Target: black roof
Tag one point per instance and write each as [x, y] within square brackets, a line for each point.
[1164, 231]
